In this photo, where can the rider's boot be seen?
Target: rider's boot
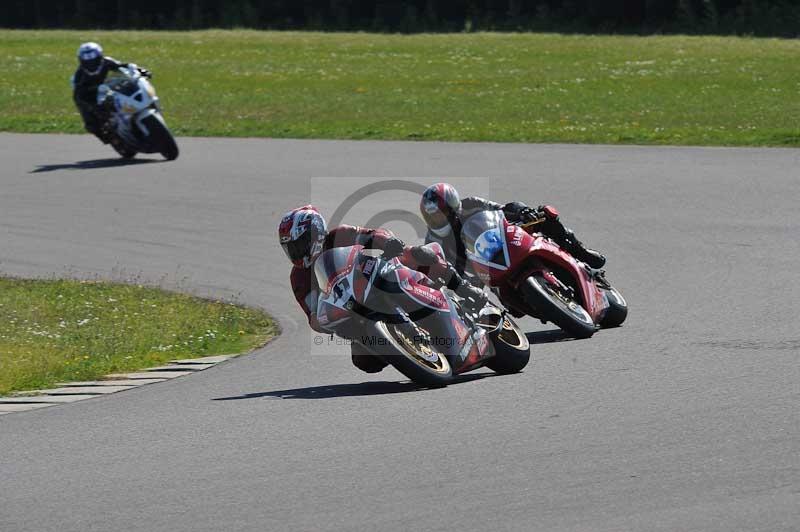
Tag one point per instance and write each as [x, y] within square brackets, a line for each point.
[102, 133]
[364, 360]
[565, 238]
[474, 298]
[591, 257]
[105, 137]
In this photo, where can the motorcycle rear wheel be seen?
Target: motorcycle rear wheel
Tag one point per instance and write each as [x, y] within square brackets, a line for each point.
[512, 348]
[423, 364]
[556, 307]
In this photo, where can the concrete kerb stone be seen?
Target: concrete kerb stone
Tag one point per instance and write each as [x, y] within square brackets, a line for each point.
[182, 367]
[124, 382]
[150, 375]
[12, 408]
[45, 399]
[69, 392]
[216, 359]
[86, 390]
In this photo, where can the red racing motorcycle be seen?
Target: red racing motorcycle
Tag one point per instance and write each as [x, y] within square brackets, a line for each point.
[396, 314]
[532, 275]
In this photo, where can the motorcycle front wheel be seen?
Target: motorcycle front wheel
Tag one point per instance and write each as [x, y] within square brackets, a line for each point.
[400, 345]
[555, 306]
[513, 351]
[617, 309]
[160, 137]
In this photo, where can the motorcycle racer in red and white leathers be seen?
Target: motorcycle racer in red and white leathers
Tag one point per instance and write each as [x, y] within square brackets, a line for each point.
[304, 236]
[445, 213]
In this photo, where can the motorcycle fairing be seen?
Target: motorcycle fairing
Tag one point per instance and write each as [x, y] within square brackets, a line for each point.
[472, 348]
[485, 242]
[413, 284]
[347, 277]
[475, 350]
[334, 271]
[134, 99]
[592, 297]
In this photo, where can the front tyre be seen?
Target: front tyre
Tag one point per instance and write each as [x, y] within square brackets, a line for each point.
[556, 306]
[160, 137]
[617, 309]
[399, 345]
[513, 351]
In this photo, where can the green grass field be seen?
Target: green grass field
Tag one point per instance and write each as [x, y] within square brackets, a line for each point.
[464, 87]
[53, 331]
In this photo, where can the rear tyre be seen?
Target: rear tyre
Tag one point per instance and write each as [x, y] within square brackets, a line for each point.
[161, 138]
[421, 363]
[557, 307]
[512, 348]
[617, 309]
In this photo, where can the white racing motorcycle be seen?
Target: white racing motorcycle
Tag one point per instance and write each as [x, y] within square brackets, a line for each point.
[135, 120]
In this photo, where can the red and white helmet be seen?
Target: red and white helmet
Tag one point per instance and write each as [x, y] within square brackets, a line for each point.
[439, 206]
[302, 233]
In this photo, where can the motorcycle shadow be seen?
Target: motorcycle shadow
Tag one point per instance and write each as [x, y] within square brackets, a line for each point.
[350, 390]
[94, 164]
[548, 337]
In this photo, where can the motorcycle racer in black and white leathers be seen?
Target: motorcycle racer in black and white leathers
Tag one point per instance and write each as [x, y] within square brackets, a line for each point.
[93, 67]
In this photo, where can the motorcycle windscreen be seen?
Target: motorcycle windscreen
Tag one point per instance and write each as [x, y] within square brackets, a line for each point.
[333, 271]
[123, 85]
[332, 265]
[484, 239]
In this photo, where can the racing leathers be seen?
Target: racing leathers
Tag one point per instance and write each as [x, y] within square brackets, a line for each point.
[515, 212]
[84, 93]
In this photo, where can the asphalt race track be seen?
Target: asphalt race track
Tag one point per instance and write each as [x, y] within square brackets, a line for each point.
[686, 418]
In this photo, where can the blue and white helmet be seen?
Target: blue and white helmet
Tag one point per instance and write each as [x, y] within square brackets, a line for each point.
[90, 56]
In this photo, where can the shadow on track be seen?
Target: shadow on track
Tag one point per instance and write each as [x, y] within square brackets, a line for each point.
[93, 164]
[549, 337]
[349, 390]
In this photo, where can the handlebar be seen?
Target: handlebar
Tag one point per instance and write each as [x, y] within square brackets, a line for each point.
[532, 222]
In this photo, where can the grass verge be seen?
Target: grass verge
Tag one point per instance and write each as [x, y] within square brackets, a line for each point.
[462, 87]
[61, 330]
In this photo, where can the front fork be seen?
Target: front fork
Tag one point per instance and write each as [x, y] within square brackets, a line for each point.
[510, 293]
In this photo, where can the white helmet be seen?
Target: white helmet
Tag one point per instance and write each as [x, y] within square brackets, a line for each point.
[90, 56]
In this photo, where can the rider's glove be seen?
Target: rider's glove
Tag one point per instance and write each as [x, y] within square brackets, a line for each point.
[474, 297]
[424, 255]
[146, 73]
[528, 215]
[548, 211]
[393, 248]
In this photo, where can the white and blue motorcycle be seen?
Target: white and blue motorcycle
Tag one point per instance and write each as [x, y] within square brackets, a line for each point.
[135, 121]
